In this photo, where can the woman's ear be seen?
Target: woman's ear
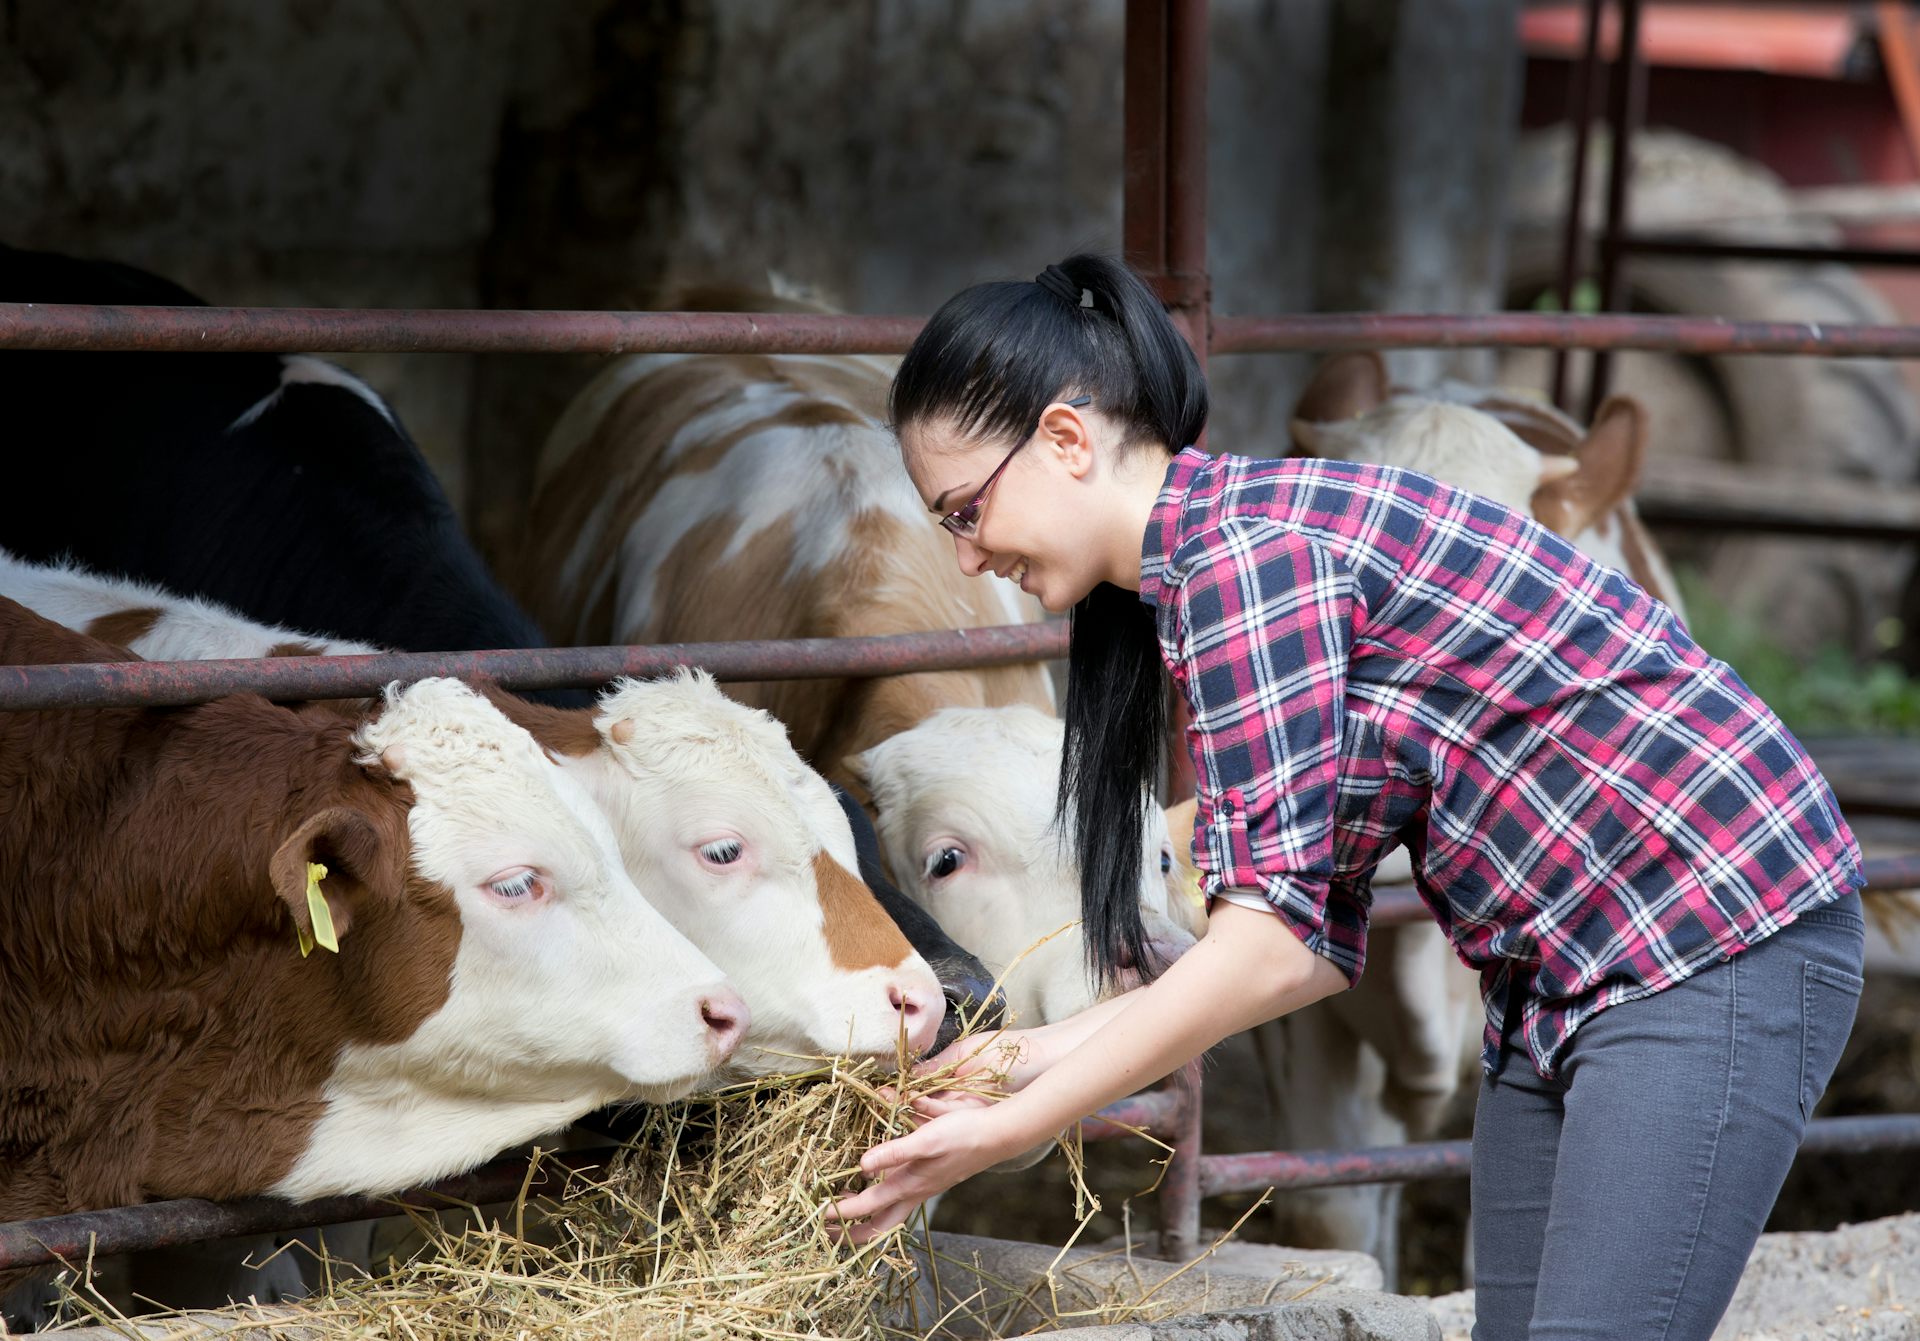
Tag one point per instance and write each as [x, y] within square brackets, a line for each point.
[1070, 437]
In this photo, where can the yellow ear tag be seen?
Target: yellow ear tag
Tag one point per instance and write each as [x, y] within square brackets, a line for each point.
[321, 914]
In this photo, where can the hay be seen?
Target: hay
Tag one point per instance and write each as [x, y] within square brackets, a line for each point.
[707, 1225]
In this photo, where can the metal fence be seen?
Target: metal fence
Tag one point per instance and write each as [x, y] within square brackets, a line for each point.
[1164, 232]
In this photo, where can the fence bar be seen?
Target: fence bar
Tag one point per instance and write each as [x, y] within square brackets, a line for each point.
[1298, 1171]
[1626, 99]
[1706, 248]
[434, 330]
[1551, 330]
[326, 330]
[168, 1224]
[1573, 226]
[172, 683]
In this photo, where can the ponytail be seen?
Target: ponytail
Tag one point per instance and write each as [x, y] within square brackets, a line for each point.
[989, 362]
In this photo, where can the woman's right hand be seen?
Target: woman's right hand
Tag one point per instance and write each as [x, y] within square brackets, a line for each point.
[1017, 1055]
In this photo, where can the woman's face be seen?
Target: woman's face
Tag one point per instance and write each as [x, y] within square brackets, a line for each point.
[1032, 526]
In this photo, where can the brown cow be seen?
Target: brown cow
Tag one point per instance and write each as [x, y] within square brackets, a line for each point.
[164, 1034]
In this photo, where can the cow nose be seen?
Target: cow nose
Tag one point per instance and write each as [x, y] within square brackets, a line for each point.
[726, 1018]
[921, 1010]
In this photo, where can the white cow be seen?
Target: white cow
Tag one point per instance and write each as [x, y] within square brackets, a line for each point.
[718, 822]
[992, 866]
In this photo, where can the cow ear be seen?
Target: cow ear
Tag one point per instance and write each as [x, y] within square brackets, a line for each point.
[1344, 386]
[1609, 468]
[346, 842]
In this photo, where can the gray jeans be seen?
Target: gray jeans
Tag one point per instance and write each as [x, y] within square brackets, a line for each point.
[1621, 1199]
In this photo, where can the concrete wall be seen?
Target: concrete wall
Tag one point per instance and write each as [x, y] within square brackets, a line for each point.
[884, 153]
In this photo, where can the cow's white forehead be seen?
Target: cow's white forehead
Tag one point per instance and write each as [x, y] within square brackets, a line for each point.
[688, 733]
[475, 773]
[1441, 438]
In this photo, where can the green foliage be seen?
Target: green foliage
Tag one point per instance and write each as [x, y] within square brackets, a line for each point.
[1828, 693]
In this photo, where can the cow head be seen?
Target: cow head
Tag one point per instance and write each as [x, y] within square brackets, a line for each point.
[966, 819]
[1519, 452]
[745, 849]
[560, 989]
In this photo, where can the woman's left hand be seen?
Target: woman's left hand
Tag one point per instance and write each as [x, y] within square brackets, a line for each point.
[941, 1152]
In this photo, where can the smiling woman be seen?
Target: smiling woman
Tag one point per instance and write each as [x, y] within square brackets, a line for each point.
[1648, 873]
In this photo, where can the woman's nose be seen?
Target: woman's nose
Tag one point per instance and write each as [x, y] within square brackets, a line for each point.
[973, 559]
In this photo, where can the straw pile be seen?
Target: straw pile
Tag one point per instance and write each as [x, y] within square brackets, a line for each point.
[708, 1224]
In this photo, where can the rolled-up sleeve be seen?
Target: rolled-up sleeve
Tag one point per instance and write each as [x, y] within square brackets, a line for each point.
[1264, 622]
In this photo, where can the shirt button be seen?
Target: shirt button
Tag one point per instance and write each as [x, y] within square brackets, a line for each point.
[1226, 808]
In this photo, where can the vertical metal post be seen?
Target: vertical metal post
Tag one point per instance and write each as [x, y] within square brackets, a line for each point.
[1165, 238]
[1573, 231]
[1180, 1190]
[1626, 96]
[1164, 223]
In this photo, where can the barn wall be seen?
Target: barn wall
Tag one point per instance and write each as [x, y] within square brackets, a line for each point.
[511, 153]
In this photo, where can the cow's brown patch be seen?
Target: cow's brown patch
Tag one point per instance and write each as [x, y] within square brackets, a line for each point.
[124, 628]
[889, 579]
[295, 649]
[1342, 387]
[860, 935]
[163, 1036]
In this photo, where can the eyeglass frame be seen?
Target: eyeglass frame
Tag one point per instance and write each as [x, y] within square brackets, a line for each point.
[964, 521]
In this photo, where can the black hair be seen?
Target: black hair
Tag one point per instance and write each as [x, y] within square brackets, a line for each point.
[988, 364]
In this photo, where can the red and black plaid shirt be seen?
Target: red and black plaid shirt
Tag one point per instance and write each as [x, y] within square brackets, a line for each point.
[1595, 808]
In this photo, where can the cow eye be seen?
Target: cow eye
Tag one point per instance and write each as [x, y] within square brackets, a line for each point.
[522, 886]
[1166, 861]
[721, 852]
[944, 861]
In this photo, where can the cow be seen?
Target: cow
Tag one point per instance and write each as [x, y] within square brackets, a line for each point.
[689, 497]
[997, 869]
[717, 821]
[281, 487]
[254, 949]
[1576, 482]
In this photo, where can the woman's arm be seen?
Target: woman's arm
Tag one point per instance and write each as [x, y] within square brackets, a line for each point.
[1250, 968]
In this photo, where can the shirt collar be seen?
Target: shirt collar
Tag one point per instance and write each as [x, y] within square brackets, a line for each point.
[1163, 524]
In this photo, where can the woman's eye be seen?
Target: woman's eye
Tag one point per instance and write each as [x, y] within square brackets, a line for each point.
[518, 888]
[1166, 862]
[721, 852]
[945, 862]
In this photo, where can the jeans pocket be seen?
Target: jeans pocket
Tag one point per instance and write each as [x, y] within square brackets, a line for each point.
[1829, 998]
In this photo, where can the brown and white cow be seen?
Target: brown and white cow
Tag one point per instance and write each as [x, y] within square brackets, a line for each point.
[164, 1035]
[717, 821]
[691, 497]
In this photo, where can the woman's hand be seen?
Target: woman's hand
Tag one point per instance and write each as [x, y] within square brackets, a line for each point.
[942, 1152]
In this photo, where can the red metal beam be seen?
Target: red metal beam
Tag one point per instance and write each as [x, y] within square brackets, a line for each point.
[171, 683]
[326, 330]
[1543, 330]
[1298, 1171]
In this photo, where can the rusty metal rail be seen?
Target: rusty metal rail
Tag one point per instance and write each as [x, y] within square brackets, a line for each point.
[173, 683]
[295, 330]
[329, 330]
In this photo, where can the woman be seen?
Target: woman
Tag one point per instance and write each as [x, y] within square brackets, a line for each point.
[1651, 877]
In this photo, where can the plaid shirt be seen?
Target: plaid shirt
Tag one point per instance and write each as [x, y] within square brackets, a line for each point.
[1595, 808]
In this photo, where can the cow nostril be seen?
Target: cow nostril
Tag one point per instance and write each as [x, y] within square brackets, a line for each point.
[1124, 959]
[726, 1015]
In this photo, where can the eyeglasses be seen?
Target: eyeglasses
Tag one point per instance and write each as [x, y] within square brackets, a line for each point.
[965, 521]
